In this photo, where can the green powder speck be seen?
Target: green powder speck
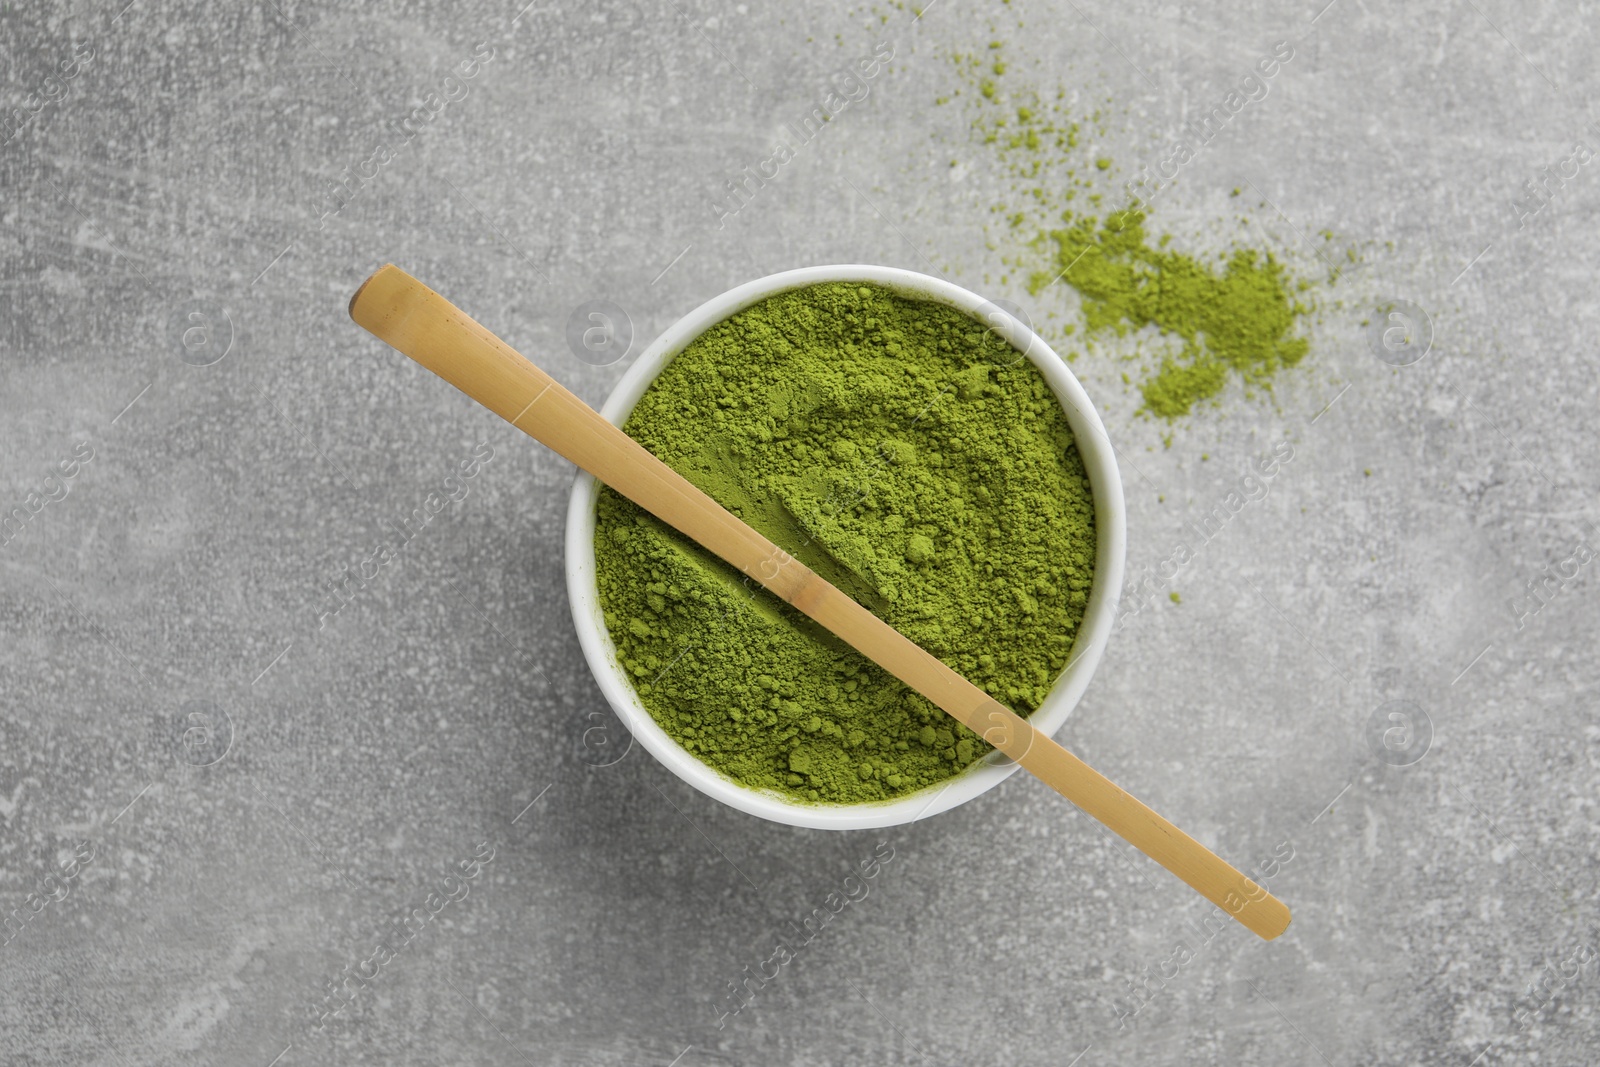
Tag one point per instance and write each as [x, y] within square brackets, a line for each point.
[1239, 320]
[905, 454]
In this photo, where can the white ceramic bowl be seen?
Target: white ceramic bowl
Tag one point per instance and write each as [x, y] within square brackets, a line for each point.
[1099, 616]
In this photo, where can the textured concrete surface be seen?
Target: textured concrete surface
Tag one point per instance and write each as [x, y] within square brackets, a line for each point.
[219, 794]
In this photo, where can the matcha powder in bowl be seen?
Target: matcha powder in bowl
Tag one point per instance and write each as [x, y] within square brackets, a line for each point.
[906, 453]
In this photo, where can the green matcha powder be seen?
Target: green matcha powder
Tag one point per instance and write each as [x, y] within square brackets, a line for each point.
[907, 455]
[1240, 319]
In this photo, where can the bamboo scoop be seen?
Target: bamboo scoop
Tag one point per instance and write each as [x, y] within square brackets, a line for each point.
[402, 311]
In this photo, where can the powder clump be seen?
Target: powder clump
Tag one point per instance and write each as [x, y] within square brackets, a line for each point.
[1239, 319]
[905, 453]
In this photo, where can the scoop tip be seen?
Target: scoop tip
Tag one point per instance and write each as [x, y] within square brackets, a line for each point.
[362, 288]
[1271, 918]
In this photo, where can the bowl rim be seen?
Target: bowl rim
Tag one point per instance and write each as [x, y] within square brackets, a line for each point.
[1099, 458]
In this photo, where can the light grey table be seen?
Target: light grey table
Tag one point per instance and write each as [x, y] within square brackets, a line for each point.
[236, 750]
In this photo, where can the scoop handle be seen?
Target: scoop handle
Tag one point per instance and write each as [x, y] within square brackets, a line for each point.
[400, 310]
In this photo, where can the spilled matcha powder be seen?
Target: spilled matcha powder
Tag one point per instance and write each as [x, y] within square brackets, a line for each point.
[1240, 318]
[1238, 315]
[907, 455]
